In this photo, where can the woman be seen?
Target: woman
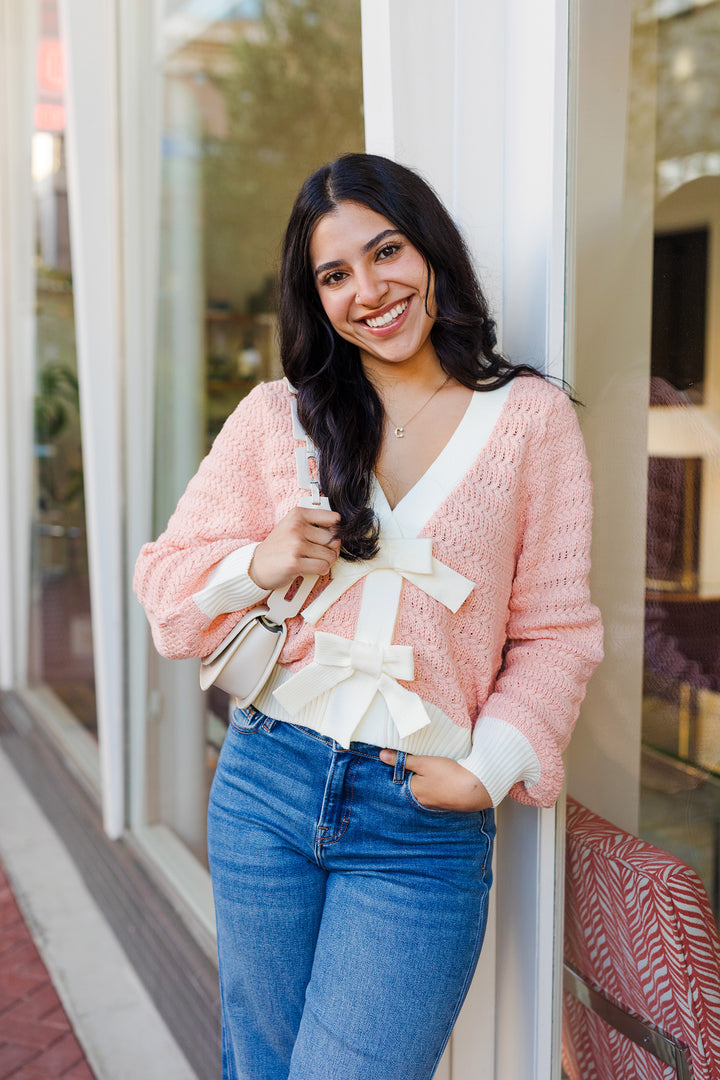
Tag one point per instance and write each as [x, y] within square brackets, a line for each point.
[438, 665]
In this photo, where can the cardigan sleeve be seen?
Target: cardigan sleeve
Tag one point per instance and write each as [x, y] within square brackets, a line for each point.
[229, 586]
[501, 758]
[225, 509]
[554, 632]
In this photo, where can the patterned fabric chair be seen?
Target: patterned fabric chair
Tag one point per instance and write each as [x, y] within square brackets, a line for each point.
[640, 943]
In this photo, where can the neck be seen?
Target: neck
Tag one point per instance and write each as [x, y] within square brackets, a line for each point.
[392, 381]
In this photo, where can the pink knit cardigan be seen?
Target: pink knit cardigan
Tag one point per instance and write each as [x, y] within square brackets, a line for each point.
[522, 646]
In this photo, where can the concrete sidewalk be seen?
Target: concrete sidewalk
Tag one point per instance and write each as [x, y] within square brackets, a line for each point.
[68, 993]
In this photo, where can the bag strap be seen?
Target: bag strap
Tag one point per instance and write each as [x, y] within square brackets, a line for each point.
[303, 454]
[280, 608]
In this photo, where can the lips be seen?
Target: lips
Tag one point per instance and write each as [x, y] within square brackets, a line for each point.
[389, 317]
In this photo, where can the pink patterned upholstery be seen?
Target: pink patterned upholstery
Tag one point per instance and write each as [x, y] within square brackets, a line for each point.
[638, 924]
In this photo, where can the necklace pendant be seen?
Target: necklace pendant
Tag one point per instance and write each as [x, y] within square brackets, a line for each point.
[399, 432]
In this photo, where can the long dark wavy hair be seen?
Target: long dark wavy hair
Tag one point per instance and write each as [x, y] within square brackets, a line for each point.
[337, 404]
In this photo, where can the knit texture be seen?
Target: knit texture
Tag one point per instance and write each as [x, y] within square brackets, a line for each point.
[522, 646]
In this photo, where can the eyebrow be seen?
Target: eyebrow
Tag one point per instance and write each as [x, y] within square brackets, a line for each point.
[324, 267]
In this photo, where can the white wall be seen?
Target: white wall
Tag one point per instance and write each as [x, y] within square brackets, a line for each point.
[472, 93]
[609, 303]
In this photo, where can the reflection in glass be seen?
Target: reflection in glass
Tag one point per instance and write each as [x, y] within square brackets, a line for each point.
[680, 796]
[61, 654]
[256, 95]
[679, 326]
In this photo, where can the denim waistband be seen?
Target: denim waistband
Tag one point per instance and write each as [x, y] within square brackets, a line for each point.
[366, 749]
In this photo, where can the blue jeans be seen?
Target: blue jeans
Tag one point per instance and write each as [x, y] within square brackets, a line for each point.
[350, 918]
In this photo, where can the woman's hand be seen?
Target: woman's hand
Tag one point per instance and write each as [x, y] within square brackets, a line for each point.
[440, 783]
[302, 543]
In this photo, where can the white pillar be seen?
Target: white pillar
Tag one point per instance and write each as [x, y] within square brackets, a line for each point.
[473, 94]
[18, 41]
[179, 439]
[89, 35]
[140, 86]
[530, 866]
[610, 235]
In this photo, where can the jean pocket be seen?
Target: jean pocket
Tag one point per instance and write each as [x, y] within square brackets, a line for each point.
[246, 720]
[414, 801]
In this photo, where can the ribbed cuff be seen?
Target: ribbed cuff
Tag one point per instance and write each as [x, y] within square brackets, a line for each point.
[229, 586]
[500, 757]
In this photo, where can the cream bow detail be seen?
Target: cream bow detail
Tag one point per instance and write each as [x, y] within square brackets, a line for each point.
[374, 668]
[413, 559]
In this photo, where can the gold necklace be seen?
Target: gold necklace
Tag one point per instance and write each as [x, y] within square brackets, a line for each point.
[399, 429]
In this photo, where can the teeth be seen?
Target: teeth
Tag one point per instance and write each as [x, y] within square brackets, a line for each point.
[389, 316]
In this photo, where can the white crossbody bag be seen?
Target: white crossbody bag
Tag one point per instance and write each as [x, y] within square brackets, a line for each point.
[242, 663]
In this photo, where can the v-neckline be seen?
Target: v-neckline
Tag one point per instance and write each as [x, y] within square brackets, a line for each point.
[472, 434]
[437, 457]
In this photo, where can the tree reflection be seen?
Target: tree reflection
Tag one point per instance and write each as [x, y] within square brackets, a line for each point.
[292, 96]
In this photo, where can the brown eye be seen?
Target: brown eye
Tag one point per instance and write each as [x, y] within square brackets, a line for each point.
[334, 278]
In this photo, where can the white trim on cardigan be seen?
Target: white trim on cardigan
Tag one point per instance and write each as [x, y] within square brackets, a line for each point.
[229, 586]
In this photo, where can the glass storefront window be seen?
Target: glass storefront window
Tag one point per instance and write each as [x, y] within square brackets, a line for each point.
[644, 292]
[680, 789]
[256, 94]
[61, 652]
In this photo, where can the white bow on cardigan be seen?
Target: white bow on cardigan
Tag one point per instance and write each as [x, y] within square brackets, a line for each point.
[411, 558]
[374, 668]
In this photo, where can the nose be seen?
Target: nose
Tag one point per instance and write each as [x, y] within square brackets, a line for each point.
[371, 289]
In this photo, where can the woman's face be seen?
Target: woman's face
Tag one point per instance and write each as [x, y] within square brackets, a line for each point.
[372, 284]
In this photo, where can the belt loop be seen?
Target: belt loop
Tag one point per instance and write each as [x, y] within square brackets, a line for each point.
[269, 723]
[399, 773]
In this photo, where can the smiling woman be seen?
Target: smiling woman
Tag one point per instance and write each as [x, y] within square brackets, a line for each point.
[438, 664]
[395, 217]
[376, 294]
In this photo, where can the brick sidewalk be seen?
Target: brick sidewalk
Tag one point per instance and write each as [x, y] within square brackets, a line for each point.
[36, 1037]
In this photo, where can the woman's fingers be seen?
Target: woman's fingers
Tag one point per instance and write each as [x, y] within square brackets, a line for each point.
[317, 566]
[440, 783]
[323, 537]
[413, 762]
[316, 516]
[303, 542]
